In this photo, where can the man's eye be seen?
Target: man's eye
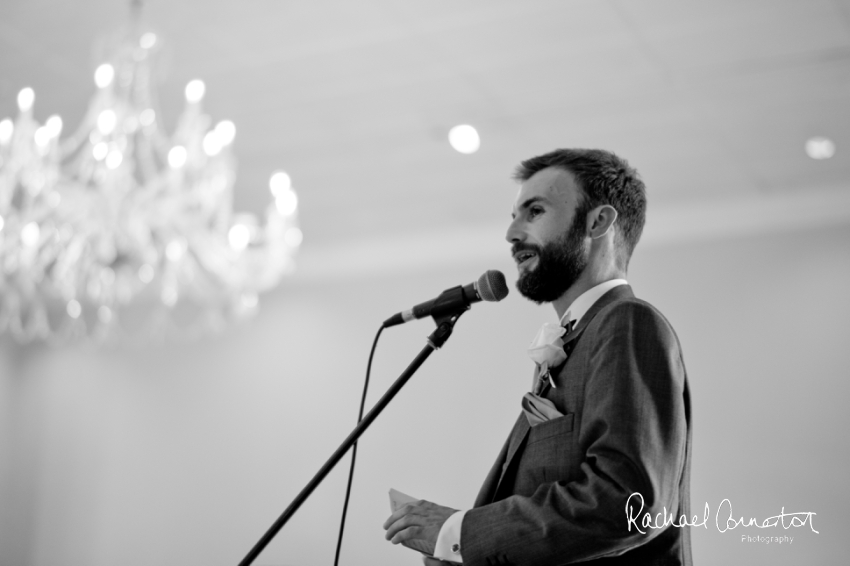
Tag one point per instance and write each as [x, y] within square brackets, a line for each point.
[534, 211]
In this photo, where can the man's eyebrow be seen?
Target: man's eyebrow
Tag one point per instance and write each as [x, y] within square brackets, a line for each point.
[528, 202]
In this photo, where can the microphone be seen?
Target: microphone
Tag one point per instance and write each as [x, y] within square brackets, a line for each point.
[490, 287]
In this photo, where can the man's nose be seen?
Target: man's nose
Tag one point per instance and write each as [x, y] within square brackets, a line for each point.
[515, 233]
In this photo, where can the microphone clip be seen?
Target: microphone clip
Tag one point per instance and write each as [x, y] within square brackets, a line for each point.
[451, 303]
[445, 314]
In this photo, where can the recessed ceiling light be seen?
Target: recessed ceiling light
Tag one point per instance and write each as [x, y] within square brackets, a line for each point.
[820, 148]
[464, 138]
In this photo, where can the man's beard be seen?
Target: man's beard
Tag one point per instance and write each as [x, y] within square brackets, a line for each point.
[559, 265]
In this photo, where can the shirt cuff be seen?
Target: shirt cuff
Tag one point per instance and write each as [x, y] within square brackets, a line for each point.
[448, 541]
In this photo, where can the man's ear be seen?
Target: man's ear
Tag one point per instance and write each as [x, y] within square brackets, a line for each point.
[601, 219]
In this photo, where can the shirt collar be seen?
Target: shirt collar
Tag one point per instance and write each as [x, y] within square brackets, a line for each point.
[584, 301]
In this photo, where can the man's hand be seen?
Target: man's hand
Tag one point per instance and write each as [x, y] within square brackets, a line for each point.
[417, 525]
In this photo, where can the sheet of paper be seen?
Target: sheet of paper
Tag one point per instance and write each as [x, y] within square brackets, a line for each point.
[397, 499]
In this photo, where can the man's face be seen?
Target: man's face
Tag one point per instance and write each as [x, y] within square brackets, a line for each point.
[547, 235]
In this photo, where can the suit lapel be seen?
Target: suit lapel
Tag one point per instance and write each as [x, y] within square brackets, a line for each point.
[520, 431]
[518, 434]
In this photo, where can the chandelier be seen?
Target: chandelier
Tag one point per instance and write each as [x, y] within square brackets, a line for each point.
[121, 230]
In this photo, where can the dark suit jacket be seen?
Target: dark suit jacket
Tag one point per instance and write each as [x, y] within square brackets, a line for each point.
[557, 493]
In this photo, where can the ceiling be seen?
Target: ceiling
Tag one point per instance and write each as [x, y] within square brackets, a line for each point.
[711, 101]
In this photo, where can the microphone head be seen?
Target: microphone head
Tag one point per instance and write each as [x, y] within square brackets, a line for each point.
[492, 286]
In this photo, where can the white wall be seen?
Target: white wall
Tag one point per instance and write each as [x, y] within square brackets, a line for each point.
[185, 454]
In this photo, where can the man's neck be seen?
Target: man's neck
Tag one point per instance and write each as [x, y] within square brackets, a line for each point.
[588, 280]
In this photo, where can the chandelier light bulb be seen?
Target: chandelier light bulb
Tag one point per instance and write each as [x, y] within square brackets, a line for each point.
[177, 157]
[249, 300]
[239, 236]
[26, 98]
[820, 148]
[103, 75]
[147, 40]
[146, 273]
[42, 136]
[293, 237]
[169, 296]
[54, 126]
[279, 183]
[30, 234]
[175, 249]
[464, 139]
[104, 314]
[114, 159]
[147, 117]
[7, 128]
[195, 91]
[107, 276]
[226, 131]
[74, 308]
[286, 202]
[106, 122]
[211, 144]
[99, 151]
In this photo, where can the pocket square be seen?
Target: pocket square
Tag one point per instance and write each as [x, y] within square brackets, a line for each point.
[539, 409]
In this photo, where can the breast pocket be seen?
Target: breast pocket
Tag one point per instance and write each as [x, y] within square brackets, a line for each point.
[549, 454]
[555, 427]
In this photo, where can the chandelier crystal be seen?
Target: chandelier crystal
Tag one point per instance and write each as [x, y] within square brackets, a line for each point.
[121, 230]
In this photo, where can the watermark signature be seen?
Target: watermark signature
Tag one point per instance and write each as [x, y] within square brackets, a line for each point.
[767, 540]
[722, 521]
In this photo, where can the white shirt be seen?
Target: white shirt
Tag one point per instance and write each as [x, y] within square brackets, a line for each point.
[448, 541]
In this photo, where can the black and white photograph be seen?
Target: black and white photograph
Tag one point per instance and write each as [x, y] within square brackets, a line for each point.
[425, 283]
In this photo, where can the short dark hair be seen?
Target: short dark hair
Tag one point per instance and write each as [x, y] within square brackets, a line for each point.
[605, 179]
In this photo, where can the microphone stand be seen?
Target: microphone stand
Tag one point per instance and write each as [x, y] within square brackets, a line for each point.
[445, 325]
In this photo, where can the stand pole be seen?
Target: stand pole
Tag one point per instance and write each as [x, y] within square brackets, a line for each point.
[435, 341]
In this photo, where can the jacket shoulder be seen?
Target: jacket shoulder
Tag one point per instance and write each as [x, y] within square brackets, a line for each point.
[636, 317]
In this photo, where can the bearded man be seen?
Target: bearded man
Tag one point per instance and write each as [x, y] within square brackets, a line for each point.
[605, 434]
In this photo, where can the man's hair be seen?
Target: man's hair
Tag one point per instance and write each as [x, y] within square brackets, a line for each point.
[604, 178]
